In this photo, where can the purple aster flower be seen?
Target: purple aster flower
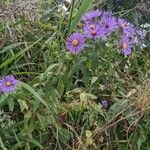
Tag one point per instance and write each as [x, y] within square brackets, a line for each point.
[126, 45]
[107, 14]
[91, 15]
[126, 27]
[109, 23]
[75, 43]
[122, 23]
[105, 103]
[8, 84]
[93, 31]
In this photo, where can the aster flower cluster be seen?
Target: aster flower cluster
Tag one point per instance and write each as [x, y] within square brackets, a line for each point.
[8, 84]
[130, 36]
[100, 25]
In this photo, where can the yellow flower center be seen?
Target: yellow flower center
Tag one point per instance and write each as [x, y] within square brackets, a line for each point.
[124, 45]
[94, 33]
[92, 26]
[75, 42]
[8, 83]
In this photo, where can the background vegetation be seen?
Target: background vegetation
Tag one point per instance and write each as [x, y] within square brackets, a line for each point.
[59, 102]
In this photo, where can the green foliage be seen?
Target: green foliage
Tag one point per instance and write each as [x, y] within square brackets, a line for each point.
[82, 9]
[58, 101]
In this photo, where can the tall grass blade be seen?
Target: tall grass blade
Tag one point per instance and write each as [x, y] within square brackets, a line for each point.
[83, 8]
[19, 54]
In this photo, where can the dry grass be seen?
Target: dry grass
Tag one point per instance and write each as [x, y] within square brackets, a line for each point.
[26, 9]
[143, 95]
[140, 95]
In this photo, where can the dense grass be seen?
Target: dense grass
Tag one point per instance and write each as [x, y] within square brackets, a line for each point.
[58, 102]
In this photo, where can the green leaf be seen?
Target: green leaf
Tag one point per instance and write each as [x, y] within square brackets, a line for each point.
[76, 66]
[35, 142]
[2, 99]
[117, 108]
[83, 8]
[64, 135]
[23, 105]
[88, 133]
[93, 80]
[60, 86]
[51, 67]
[48, 72]
[17, 139]
[134, 118]
[86, 75]
[36, 95]
[11, 104]
[139, 143]
[27, 146]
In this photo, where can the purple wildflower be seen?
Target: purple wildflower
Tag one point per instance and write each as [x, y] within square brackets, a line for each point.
[126, 45]
[126, 27]
[107, 14]
[105, 103]
[75, 43]
[93, 31]
[109, 23]
[122, 23]
[91, 15]
[8, 84]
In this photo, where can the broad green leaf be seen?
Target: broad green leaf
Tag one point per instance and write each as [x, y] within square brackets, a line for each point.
[3, 97]
[60, 86]
[11, 104]
[117, 108]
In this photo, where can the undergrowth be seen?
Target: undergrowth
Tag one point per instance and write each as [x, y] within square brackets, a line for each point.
[59, 101]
